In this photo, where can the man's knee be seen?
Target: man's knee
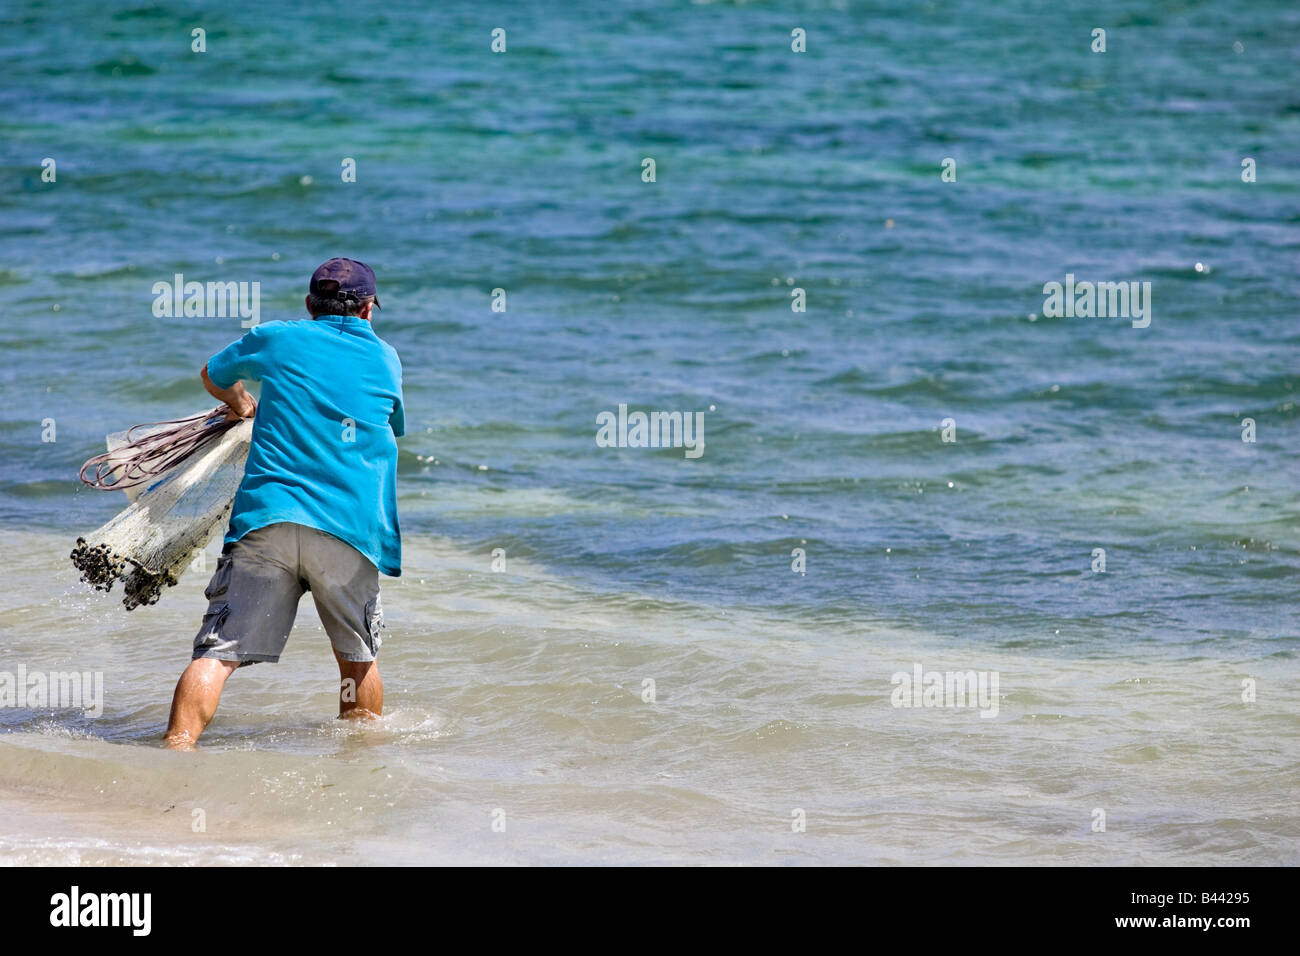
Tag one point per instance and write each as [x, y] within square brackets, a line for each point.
[203, 680]
[208, 669]
[357, 670]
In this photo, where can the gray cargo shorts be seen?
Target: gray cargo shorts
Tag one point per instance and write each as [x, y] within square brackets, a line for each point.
[253, 596]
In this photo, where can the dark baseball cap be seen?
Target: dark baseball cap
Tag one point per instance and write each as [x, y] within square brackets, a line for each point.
[344, 279]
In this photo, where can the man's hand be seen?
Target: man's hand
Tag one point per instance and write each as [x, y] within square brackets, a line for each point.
[242, 405]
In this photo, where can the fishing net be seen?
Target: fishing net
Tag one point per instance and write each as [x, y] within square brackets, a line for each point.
[181, 477]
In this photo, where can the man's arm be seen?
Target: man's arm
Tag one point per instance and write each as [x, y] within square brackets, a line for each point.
[242, 404]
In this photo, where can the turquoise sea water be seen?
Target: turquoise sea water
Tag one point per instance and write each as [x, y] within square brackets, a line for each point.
[775, 171]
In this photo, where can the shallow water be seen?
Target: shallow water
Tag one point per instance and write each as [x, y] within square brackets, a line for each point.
[517, 692]
[522, 690]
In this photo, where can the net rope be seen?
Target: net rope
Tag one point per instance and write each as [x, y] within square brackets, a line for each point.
[146, 458]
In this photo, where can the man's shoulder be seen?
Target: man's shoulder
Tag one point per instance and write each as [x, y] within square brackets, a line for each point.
[280, 326]
[266, 331]
[390, 353]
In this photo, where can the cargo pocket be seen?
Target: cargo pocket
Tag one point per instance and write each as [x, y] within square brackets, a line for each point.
[220, 582]
[374, 621]
[213, 621]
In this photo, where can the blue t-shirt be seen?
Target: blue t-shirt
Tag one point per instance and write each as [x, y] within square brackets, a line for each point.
[324, 447]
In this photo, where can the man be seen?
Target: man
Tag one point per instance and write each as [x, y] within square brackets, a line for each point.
[317, 508]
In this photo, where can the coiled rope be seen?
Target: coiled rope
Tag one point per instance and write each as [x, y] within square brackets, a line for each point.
[139, 461]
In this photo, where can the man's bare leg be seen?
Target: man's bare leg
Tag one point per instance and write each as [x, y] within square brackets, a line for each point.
[197, 694]
[361, 689]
